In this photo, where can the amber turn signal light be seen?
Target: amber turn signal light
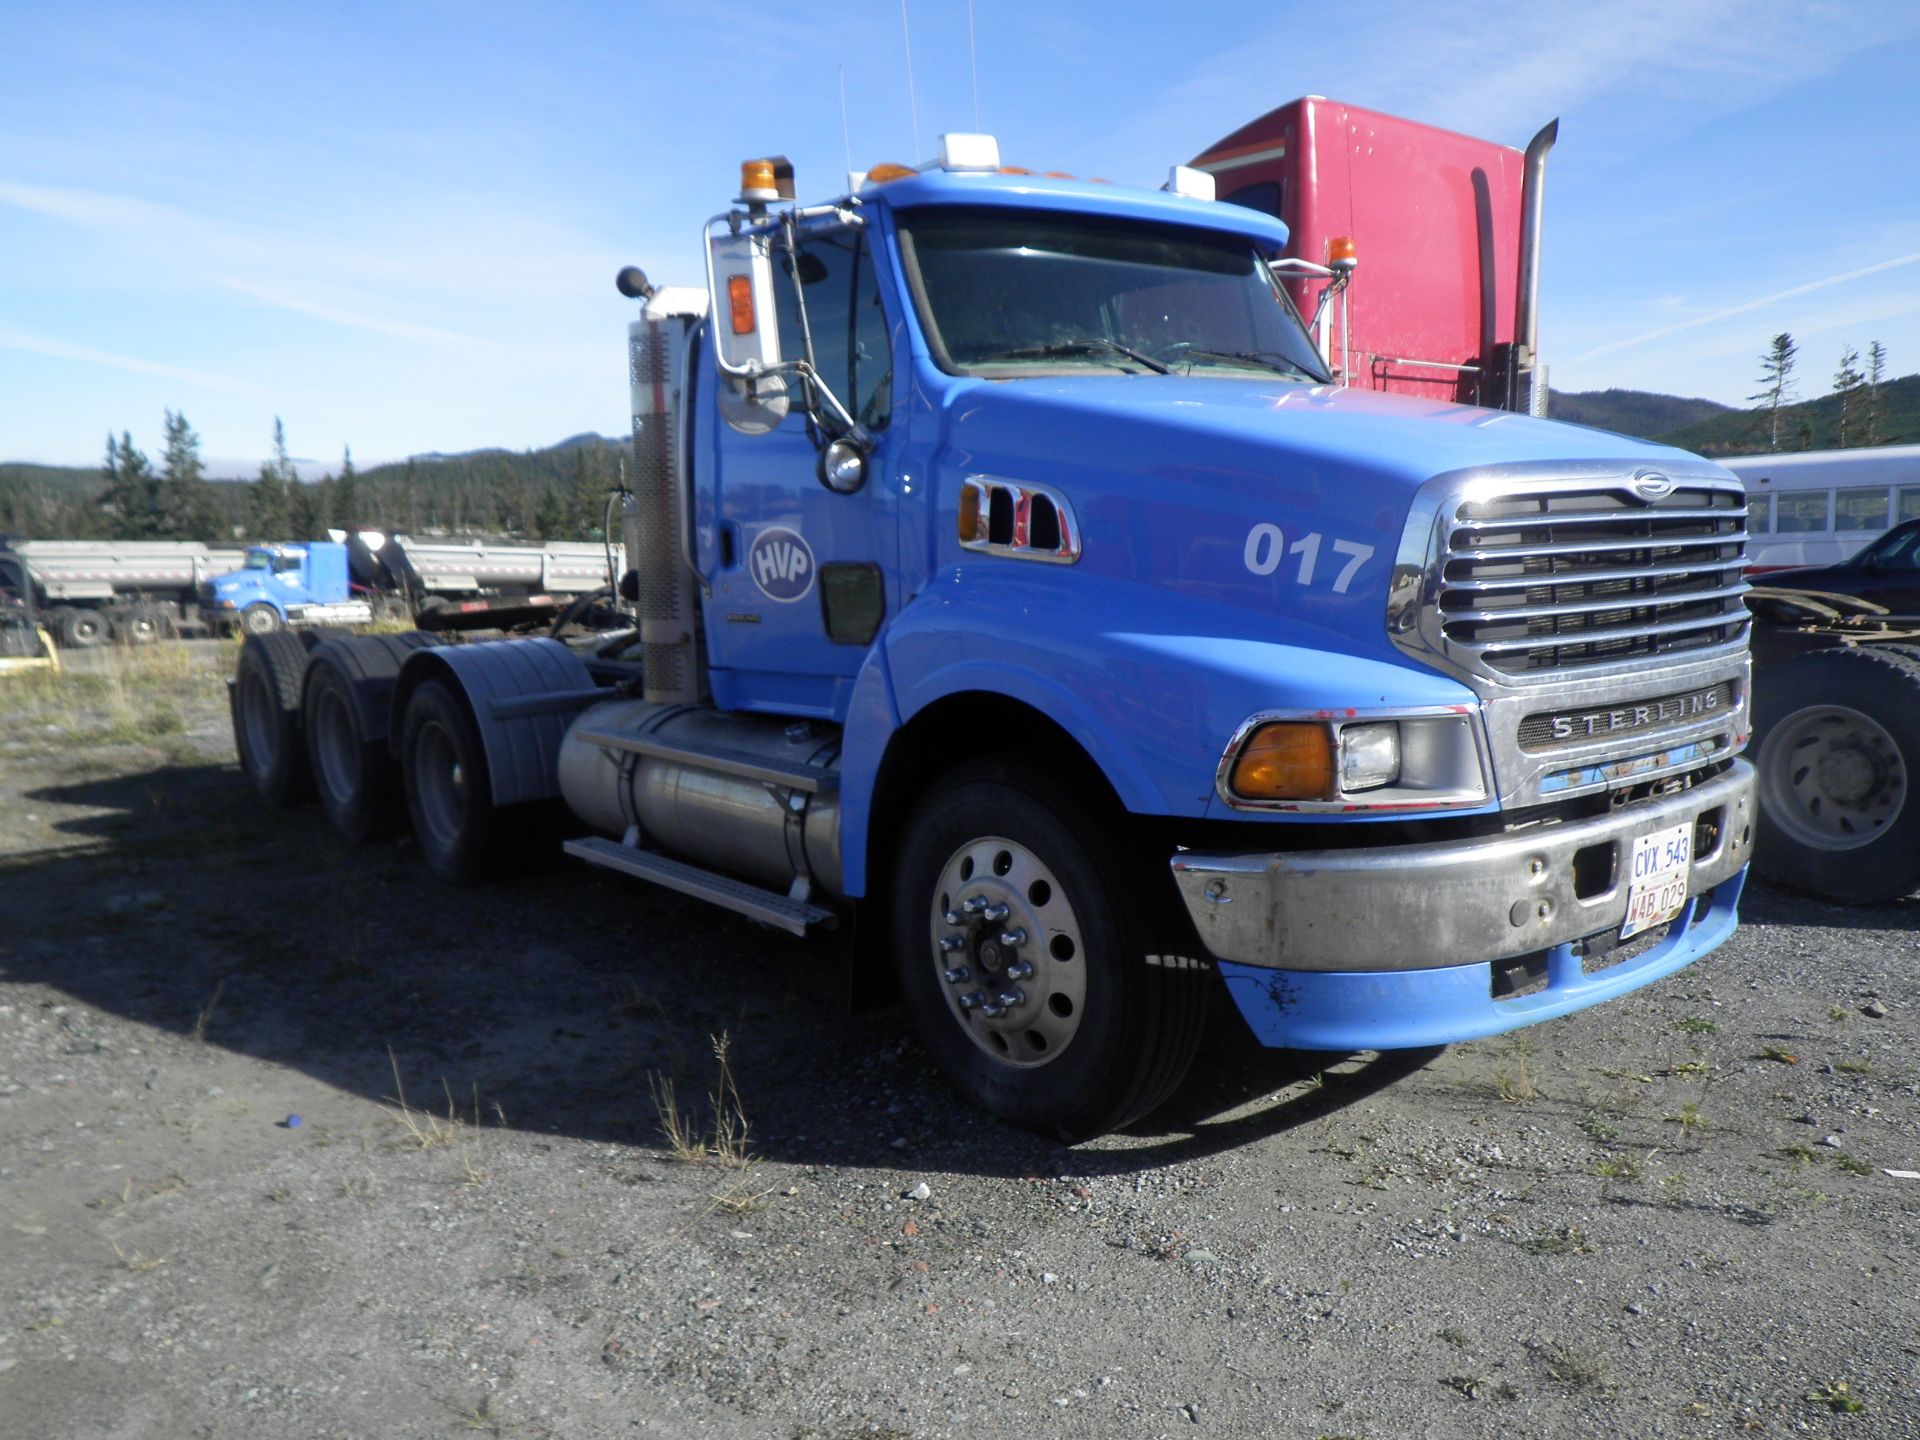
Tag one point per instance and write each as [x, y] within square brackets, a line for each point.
[740, 303]
[1287, 760]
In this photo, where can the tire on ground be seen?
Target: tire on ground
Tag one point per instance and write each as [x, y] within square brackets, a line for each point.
[349, 682]
[464, 836]
[140, 625]
[1111, 1001]
[260, 618]
[267, 725]
[1836, 740]
[78, 628]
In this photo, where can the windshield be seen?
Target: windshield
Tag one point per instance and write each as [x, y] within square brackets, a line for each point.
[259, 560]
[1009, 293]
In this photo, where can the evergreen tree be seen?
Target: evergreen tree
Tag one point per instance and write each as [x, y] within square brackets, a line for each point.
[186, 508]
[302, 521]
[1776, 383]
[132, 490]
[347, 504]
[1846, 380]
[550, 518]
[269, 505]
[1876, 372]
[322, 507]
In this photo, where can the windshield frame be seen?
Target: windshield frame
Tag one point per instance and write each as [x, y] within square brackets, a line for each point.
[1008, 369]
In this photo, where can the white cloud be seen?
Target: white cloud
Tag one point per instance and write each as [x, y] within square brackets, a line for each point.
[12, 339]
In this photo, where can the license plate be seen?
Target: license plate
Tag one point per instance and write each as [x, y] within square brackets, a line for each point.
[1657, 881]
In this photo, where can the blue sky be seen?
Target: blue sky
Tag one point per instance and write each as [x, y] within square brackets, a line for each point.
[396, 226]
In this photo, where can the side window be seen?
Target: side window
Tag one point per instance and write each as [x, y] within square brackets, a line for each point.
[1262, 195]
[849, 326]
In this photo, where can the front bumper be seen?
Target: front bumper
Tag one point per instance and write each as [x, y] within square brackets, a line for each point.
[1449, 902]
[1412, 1009]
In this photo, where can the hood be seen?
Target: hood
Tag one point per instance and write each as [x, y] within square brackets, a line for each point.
[1268, 498]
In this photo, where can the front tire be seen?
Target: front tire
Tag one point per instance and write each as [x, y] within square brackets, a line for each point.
[260, 618]
[1034, 955]
[1837, 736]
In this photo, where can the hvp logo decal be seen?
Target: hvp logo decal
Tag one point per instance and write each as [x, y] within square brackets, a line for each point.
[782, 564]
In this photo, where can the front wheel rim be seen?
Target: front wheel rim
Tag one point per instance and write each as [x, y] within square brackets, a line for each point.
[1832, 778]
[1008, 952]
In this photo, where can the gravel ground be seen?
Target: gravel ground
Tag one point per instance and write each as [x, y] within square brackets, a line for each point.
[1670, 1216]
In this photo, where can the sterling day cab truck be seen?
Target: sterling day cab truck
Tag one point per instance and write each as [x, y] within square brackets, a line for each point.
[443, 585]
[1019, 590]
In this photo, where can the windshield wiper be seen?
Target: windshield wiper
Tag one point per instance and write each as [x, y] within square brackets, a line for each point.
[1264, 358]
[1091, 345]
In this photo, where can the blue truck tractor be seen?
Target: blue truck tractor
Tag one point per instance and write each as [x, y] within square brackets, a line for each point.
[1018, 589]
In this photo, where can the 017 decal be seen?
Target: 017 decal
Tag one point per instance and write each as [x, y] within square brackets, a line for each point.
[1267, 548]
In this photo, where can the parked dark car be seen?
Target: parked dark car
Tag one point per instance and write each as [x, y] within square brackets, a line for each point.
[1887, 572]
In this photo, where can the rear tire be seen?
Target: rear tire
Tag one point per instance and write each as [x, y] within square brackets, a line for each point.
[1836, 734]
[1106, 1010]
[267, 727]
[79, 629]
[139, 625]
[348, 686]
[463, 834]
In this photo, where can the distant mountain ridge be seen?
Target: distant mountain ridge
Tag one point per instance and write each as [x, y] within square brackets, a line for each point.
[1631, 412]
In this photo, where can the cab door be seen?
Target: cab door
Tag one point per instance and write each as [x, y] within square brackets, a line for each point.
[805, 577]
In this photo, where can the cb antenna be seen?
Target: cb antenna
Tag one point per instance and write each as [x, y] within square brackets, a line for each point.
[846, 135]
[913, 101]
[973, 58]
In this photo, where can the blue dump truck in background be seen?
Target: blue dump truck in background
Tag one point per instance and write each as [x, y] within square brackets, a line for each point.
[440, 584]
[1019, 590]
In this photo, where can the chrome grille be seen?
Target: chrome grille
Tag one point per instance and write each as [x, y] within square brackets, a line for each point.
[1566, 576]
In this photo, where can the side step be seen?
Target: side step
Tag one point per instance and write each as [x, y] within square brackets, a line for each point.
[769, 907]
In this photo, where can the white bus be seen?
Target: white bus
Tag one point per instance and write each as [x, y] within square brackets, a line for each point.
[1818, 507]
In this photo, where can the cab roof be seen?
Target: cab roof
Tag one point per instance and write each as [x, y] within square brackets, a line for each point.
[1081, 197]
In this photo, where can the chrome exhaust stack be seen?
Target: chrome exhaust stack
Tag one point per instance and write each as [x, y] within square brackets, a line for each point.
[1526, 377]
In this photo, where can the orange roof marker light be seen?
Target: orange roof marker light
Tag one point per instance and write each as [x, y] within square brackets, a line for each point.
[1342, 255]
[887, 170]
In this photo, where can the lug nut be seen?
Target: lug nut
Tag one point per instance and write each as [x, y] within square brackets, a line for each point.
[958, 975]
[974, 904]
[1010, 998]
[953, 917]
[1020, 970]
[994, 914]
[952, 943]
[993, 1009]
[974, 1000]
[1013, 939]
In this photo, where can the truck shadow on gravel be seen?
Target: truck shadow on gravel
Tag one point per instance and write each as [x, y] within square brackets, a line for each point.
[554, 1004]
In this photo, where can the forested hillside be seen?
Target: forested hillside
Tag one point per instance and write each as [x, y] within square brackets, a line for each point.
[1631, 412]
[559, 493]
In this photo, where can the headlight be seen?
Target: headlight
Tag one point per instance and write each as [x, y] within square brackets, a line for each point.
[1430, 758]
[1369, 756]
